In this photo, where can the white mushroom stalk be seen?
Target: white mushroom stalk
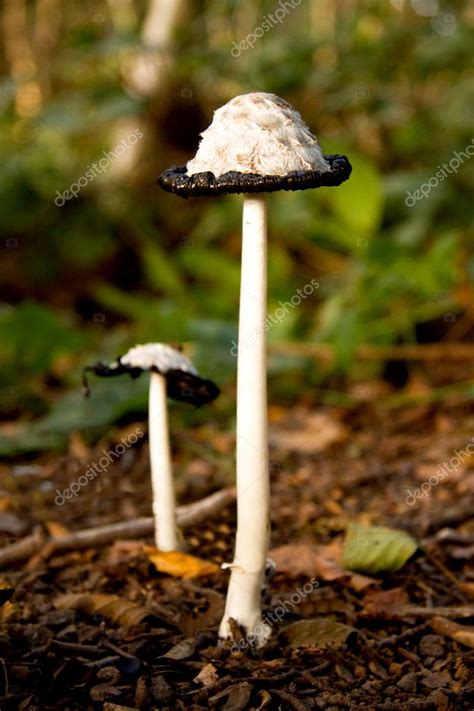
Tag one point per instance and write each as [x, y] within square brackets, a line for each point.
[243, 602]
[171, 375]
[256, 143]
[162, 482]
[259, 134]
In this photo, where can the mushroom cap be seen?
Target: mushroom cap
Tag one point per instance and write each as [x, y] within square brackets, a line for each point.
[182, 380]
[256, 143]
[159, 357]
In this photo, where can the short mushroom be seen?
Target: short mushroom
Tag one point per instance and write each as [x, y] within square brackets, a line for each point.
[172, 375]
[257, 143]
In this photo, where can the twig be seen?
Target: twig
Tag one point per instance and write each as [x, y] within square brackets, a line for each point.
[400, 612]
[22, 549]
[429, 351]
[187, 516]
[460, 611]
[289, 699]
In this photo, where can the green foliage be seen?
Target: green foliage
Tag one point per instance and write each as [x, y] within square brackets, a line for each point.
[32, 337]
[376, 549]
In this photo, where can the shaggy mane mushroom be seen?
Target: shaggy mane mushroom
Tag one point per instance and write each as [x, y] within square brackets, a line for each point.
[256, 143]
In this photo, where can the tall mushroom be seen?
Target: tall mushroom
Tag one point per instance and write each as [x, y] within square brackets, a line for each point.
[172, 375]
[257, 143]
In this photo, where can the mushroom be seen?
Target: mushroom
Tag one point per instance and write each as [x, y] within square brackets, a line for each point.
[172, 375]
[257, 143]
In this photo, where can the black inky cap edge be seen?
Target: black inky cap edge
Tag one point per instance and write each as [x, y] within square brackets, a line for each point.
[180, 385]
[176, 180]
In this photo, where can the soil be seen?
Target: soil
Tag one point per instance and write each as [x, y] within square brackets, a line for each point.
[408, 644]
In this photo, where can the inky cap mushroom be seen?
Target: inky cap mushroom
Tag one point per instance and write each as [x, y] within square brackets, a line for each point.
[182, 380]
[172, 375]
[256, 143]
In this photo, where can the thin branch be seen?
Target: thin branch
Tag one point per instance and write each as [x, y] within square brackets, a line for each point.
[429, 351]
[187, 516]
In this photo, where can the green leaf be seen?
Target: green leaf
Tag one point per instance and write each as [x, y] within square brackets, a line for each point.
[161, 270]
[359, 202]
[108, 403]
[376, 549]
[32, 336]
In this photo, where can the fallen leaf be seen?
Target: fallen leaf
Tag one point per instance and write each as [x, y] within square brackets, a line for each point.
[11, 524]
[376, 549]
[122, 551]
[316, 562]
[265, 698]
[8, 610]
[208, 676]
[182, 650]
[5, 503]
[191, 624]
[78, 447]
[435, 680]
[56, 529]
[378, 602]
[180, 565]
[122, 612]
[238, 696]
[316, 432]
[6, 590]
[318, 633]
[448, 628]
[467, 588]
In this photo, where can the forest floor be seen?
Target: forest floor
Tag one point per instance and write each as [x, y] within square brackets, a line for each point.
[405, 641]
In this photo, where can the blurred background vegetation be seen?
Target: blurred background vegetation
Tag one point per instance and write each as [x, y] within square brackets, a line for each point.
[387, 83]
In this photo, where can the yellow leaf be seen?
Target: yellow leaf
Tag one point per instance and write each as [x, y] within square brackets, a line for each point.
[8, 610]
[5, 503]
[6, 590]
[180, 565]
[56, 529]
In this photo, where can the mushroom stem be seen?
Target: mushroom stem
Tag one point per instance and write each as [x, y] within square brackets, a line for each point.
[243, 602]
[164, 504]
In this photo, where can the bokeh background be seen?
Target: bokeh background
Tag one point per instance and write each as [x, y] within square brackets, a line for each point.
[388, 83]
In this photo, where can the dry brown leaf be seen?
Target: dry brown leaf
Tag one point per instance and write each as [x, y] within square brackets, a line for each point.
[318, 633]
[6, 590]
[316, 433]
[78, 447]
[316, 562]
[5, 503]
[378, 602]
[182, 650]
[122, 612]
[180, 565]
[123, 551]
[8, 610]
[56, 529]
[208, 676]
[448, 628]
[467, 588]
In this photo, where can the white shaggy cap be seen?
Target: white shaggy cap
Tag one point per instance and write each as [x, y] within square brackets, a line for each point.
[159, 356]
[257, 133]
